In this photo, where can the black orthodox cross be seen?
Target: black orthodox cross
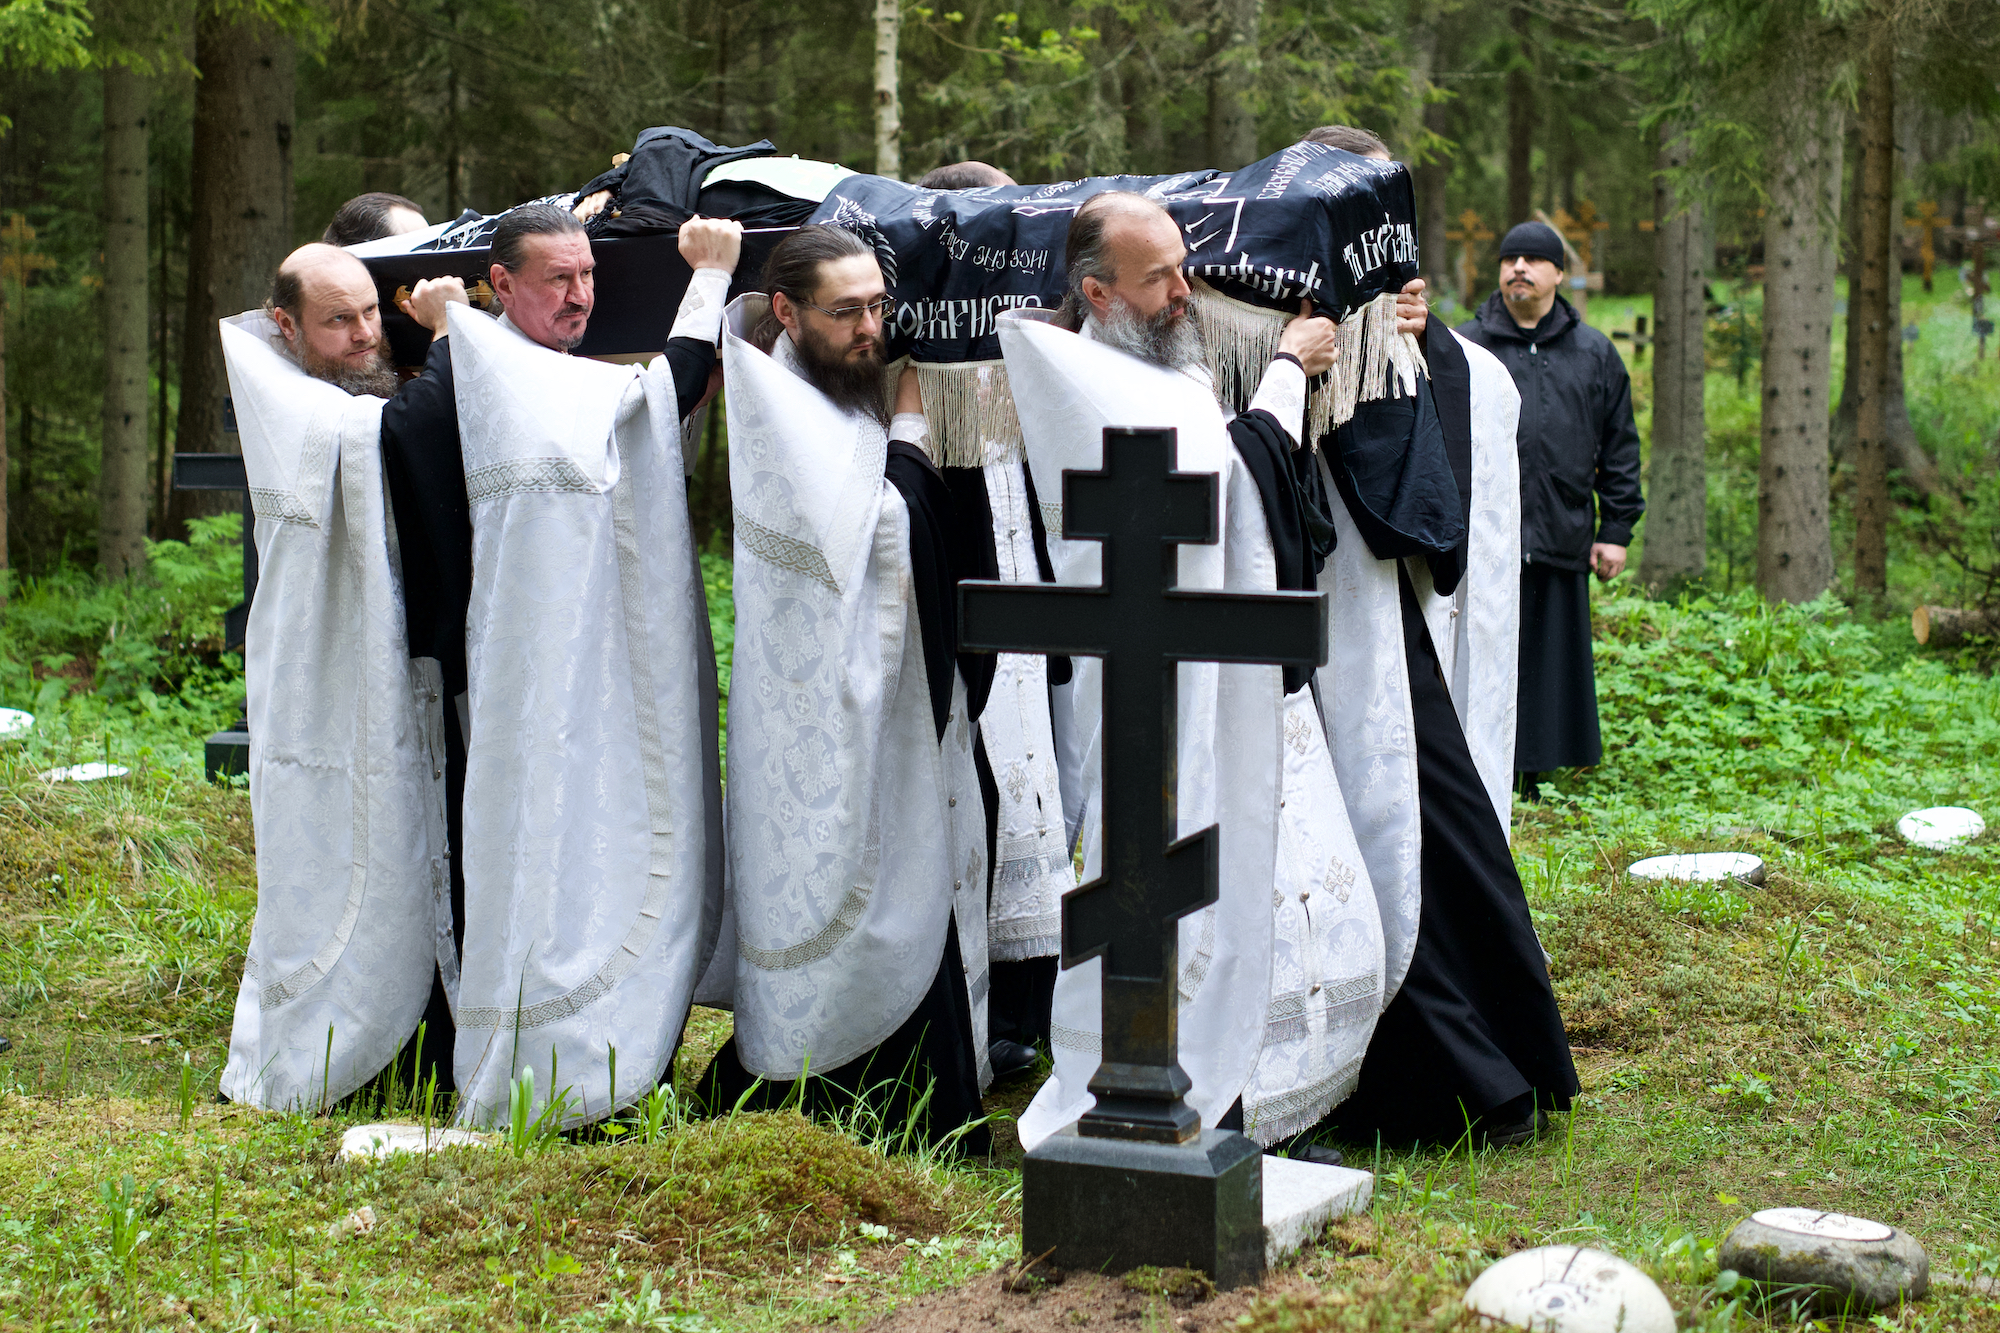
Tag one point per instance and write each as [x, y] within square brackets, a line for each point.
[1141, 509]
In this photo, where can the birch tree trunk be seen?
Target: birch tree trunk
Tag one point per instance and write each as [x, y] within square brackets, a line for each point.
[241, 223]
[1868, 312]
[1677, 487]
[122, 464]
[1794, 539]
[1232, 83]
[888, 103]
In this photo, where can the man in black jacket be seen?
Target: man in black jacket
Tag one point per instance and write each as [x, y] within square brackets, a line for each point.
[1576, 435]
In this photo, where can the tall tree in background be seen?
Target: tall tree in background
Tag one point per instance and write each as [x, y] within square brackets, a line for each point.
[1427, 50]
[1676, 550]
[1868, 309]
[122, 466]
[242, 216]
[1802, 160]
[888, 102]
[1232, 82]
[1520, 123]
[42, 36]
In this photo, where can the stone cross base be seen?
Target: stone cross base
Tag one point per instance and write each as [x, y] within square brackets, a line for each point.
[1114, 1204]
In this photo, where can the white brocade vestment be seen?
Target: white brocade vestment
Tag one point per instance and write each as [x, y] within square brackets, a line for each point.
[855, 835]
[346, 750]
[1365, 684]
[1067, 389]
[592, 816]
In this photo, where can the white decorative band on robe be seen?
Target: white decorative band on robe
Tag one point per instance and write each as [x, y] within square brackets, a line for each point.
[855, 837]
[1067, 389]
[592, 821]
[346, 750]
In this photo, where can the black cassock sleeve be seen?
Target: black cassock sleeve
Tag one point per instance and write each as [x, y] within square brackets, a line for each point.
[1293, 512]
[424, 465]
[943, 550]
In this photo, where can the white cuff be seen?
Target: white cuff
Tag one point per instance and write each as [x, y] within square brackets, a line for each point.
[1282, 393]
[911, 428]
[701, 309]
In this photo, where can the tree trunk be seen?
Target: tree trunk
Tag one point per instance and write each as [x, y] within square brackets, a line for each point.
[1433, 211]
[1868, 312]
[241, 223]
[888, 106]
[1794, 540]
[121, 476]
[1520, 126]
[4, 581]
[1232, 81]
[1949, 626]
[1677, 488]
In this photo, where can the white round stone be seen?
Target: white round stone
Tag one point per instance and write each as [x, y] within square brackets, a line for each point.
[1940, 826]
[94, 771]
[389, 1137]
[14, 722]
[1708, 866]
[1569, 1289]
[1833, 1226]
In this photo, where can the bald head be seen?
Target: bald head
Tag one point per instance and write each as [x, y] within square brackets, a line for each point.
[964, 176]
[323, 302]
[1123, 263]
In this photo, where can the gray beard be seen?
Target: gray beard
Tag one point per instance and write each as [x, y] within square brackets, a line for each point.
[377, 380]
[1162, 340]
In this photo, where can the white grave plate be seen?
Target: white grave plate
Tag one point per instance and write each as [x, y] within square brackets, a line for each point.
[1706, 866]
[94, 771]
[1569, 1289]
[1940, 826]
[1831, 1226]
[14, 722]
[1301, 1198]
[385, 1139]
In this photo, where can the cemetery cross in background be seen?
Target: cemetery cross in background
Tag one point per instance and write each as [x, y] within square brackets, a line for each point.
[1142, 625]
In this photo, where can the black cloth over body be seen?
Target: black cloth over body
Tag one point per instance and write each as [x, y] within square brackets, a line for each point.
[1474, 1032]
[932, 1051]
[423, 463]
[1557, 725]
[1576, 433]
[658, 186]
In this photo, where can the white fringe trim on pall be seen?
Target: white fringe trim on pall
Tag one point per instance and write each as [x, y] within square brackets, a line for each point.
[1374, 360]
[970, 409]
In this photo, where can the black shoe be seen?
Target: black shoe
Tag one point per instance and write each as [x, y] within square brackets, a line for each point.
[1316, 1153]
[5, 1046]
[1010, 1058]
[1518, 1131]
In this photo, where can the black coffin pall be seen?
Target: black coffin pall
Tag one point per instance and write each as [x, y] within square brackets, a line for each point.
[1138, 1180]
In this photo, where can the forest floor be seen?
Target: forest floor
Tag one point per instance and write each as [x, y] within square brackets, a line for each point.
[1830, 1039]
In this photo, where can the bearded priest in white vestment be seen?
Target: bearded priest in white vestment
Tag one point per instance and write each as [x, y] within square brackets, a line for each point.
[857, 846]
[346, 733]
[592, 814]
[1280, 980]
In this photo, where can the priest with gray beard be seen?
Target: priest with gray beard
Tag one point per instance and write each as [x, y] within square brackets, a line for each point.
[856, 829]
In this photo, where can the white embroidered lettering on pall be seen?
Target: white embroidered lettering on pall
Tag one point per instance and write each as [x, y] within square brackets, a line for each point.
[1703, 867]
[1569, 1289]
[1940, 826]
[14, 723]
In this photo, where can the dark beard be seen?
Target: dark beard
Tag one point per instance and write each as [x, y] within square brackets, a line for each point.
[854, 386]
[376, 380]
[1163, 339]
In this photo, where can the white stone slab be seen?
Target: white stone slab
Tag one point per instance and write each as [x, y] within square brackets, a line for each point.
[1940, 826]
[1300, 1198]
[1706, 866]
[382, 1140]
[14, 723]
[1569, 1289]
[94, 771]
[1832, 1226]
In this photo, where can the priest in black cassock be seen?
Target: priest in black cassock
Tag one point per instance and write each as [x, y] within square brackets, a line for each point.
[856, 831]
[543, 273]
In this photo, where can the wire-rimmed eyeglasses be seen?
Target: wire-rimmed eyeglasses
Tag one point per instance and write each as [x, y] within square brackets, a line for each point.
[882, 308]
